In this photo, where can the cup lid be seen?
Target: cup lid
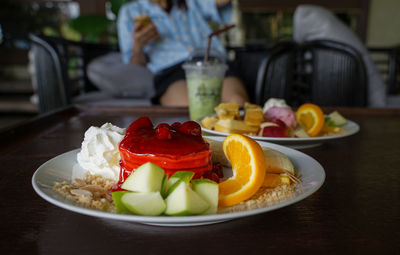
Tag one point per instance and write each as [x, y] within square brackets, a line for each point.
[196, 57]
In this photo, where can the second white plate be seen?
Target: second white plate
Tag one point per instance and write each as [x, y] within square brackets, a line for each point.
[350, 128]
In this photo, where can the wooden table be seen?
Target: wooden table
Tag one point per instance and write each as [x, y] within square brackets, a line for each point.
[356, 210]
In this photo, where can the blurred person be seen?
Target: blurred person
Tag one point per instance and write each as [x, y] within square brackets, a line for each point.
[311, 22]
[164, 42]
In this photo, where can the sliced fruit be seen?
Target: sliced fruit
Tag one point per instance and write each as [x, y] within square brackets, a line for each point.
[335, 119]
[146, 178]
[234, 127]
[148, 204]
[209, 122]
[280, 129]
[164, 186]
[275, 180]
[248, 165]
[227, 111]
[277, 162]
[173, 181]
[208, 190]
[116, 196]
[300, 132]
[311, 118]
[253, 115]
[184, 201]
[329, 130]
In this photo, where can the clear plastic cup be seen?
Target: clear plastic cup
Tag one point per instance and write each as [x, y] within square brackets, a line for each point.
[204, 82]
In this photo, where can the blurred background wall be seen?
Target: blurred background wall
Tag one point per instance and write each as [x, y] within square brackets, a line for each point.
[259, 22]
[384, 23]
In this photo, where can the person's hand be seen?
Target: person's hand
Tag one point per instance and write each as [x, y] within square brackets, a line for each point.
[143, 35]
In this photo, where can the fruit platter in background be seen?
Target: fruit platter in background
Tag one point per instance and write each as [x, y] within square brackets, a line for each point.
[171, 170]
[275, 119]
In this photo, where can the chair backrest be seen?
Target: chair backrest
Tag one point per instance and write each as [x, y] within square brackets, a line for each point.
[275, 72]
[60, 69]
[338, 76]
[49, 75]
[246, 61]
[323, 72]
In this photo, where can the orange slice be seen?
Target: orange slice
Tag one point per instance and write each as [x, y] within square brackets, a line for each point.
[311, 118]
[248, 167]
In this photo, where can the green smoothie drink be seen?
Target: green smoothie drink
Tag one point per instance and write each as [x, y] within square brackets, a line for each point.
[205, 70]
[204, 83]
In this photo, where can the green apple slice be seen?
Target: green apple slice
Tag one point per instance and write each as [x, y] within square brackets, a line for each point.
[146, 178]
[174, 180]
[184, 201]
[146, 204]
[208, 190]
[116, 196]
[185, 176]
[164, 186]
[335, 119]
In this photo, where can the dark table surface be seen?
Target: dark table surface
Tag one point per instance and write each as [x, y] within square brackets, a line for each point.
[357, 210]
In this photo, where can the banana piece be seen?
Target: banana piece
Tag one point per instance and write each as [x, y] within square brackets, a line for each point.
[277, 162]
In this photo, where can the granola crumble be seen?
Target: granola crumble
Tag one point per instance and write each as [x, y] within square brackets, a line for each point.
[263, 198]
[93, 191]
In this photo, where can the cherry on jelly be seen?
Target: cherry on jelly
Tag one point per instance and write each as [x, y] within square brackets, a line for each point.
[176, 125]
[164, 125]
[190, 128]
[163, 133]
[142, 122]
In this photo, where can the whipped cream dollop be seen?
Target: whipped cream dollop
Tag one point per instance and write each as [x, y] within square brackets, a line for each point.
[274, 102]
[99, 152]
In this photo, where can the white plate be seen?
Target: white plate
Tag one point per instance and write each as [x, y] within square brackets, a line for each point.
[60, 169]
[299, 143]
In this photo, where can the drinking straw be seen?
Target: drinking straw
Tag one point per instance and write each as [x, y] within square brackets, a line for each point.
[210, 36]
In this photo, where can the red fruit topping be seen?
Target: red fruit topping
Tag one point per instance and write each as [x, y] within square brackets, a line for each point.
[212, 176]
[163, 133]
[164, 146]
[190, 128]
[164, 125]
[176, 125]
[217, 168]
[142, 122]
[276, 131]
[215, 174]
[279, 122]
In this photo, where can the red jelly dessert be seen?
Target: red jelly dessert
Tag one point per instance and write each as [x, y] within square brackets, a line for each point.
[176, 147]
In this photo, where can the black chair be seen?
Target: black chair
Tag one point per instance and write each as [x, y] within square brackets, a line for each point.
[60, 69]
[246, 61]
[274, 73]
[323, 72]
